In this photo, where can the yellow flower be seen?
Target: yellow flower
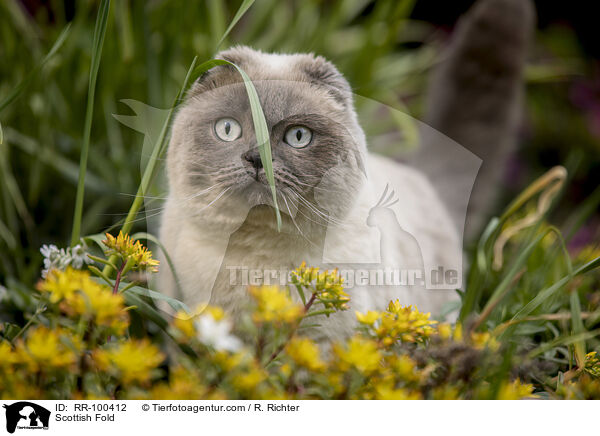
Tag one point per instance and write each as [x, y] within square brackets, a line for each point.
[484, 340]
[132, 252]
[7, 355]
[585, 388]
[368, 318]
[386, 391]
[131, 361]
[328, 286]
[46, 349]
[249, 379]
[592, 364]
[107, 309]
[404, 323]
[63, 284]
[80, 295]
[404, 367]
[360, 353]
[216, 312]
[183, 385]
[285, 369]
[229, 361]
[444, 331]
[515, 390]
[274, 305]
[446, 392]
[305, 353]
[184, 322]
[458, 333]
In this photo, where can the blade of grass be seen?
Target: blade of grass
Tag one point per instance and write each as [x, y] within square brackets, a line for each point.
[157, 151]
[577, 326]
[63, 166]
[240, 12]
[563, 340]
[98, 43]
[7, 236]
[123, 17]
[479, 271]
[518, 268]
[21, 86]
[261, 131]
[551, 290]
[150, 169]
[12, 187]
[216, 19]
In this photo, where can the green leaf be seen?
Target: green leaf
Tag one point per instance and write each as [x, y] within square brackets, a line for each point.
[174, 303]
[100, 274]
[145, 309]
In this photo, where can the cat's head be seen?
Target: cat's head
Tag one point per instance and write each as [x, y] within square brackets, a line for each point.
[214, 163]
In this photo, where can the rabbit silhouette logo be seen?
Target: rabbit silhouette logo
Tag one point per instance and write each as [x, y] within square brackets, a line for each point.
[26, 415]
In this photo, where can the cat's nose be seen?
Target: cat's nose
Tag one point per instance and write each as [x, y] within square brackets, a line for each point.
[253, 157]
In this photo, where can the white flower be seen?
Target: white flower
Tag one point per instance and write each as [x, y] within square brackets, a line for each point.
[49, 250]
[79, 256]
[217, 334]
[55, 258]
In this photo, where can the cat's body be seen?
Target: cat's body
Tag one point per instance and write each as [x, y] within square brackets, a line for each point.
[206, 258]
[219, 220]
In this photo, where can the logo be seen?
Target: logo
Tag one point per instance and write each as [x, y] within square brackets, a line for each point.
[26, 415]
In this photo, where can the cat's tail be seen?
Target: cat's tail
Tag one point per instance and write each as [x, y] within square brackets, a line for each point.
[475, 98]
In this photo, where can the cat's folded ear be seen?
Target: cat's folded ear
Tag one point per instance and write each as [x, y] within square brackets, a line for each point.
[321, 72]
[223, 74]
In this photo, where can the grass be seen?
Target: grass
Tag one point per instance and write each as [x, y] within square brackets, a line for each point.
[99, 34]
[541, 298]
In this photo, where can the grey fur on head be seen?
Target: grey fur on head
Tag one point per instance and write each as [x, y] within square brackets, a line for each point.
[295, 90]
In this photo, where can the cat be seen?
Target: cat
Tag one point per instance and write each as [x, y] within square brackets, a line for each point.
[340, 205]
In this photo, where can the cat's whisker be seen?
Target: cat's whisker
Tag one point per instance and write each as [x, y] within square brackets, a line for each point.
[215, 200]
[294, 221]
[328, 218]
[312, 220]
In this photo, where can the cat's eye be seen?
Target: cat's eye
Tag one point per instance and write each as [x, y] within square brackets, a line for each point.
[228, 129]
[298, 136]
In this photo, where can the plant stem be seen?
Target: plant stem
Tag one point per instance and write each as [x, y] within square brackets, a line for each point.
[118, 279]
[291, 334]
[26, 326]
